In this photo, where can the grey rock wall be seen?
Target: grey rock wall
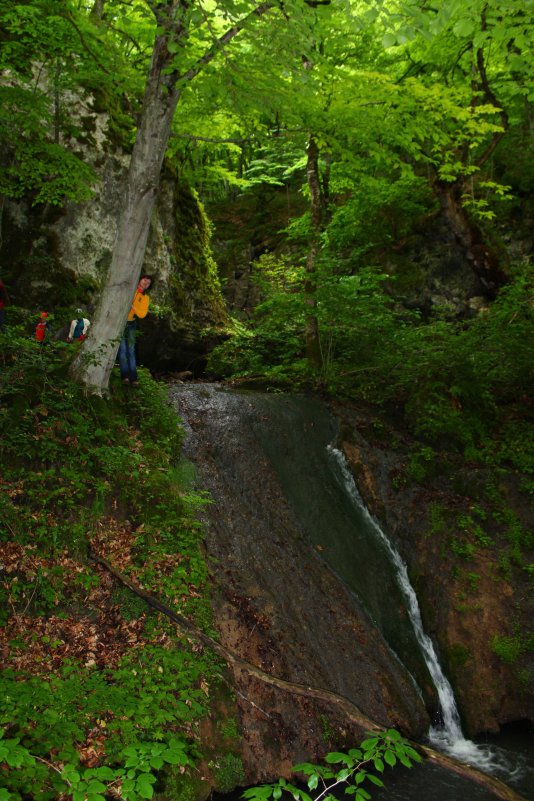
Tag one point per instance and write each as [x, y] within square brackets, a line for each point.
[55, 259]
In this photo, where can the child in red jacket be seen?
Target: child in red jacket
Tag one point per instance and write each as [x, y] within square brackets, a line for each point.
[42, 329]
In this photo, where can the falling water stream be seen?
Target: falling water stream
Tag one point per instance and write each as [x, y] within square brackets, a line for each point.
[447, 735]
[296, 435]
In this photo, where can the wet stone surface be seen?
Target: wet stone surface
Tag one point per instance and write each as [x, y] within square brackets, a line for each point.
[278, 601]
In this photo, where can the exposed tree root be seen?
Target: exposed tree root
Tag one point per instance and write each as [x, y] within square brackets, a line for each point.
[346, 707]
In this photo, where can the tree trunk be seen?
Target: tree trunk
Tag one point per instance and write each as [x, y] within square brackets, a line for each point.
[94, 362]
[484, 261]
[97, 10]
[313, 343]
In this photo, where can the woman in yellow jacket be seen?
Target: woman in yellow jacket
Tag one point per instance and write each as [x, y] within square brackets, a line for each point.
[140, 303]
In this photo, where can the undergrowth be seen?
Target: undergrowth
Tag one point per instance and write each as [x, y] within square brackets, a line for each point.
[463, 386]
[98, 698]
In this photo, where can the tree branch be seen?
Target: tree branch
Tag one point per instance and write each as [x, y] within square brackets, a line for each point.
[489, 96]
[69, 19]
[344, 705]
[230, 34]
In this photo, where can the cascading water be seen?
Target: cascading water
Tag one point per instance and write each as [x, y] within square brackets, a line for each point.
[278, 489]
[447, 736]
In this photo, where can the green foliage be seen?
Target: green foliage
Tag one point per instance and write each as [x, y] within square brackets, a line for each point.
[83, 452]
[421, 463]
[380, 209]
[276, 342]
[457, 384]
[145, 708]
[507, 648]
[37, 167]
[33, 114]
[458, 655]
[375, 753]
[69, 463]
[228, 772]
[229, 729]
[135, 779]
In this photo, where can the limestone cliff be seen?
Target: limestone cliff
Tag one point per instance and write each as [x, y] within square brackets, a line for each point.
[55, 258]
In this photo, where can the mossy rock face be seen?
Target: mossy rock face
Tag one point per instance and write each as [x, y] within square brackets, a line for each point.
[188, 316]
[57, 259]
[187, 786]
[34, 268]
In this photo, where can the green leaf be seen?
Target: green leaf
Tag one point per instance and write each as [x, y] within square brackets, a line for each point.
[389, 40]
[375, 780]
[370, 743]
[95, 786]
[261, 793]
[305, 767]
[464, 27]
[335, 756]
[144, 785]
[104, 773]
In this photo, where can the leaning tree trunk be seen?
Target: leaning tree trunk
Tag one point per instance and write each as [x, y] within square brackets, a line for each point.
[94, 362]
[482, 258]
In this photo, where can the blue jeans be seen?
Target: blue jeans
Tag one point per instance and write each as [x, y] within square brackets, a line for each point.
[127, 362]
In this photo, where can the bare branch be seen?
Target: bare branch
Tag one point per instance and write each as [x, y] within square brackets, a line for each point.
[219, 44]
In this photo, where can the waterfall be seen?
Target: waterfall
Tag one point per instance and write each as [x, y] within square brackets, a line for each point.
[448, 736]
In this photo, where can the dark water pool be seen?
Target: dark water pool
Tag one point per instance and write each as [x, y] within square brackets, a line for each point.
[513, 750]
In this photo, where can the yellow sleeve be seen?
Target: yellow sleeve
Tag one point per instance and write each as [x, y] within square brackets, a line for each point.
[139, 306]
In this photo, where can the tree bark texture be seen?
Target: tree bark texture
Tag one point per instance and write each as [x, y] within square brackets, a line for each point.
[94, 362]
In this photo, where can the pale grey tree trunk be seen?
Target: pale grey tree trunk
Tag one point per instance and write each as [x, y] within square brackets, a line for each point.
[94, 362]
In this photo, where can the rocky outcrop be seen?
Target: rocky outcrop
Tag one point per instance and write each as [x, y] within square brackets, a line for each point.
[277, 603]
[463, 557]
[55, 258]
